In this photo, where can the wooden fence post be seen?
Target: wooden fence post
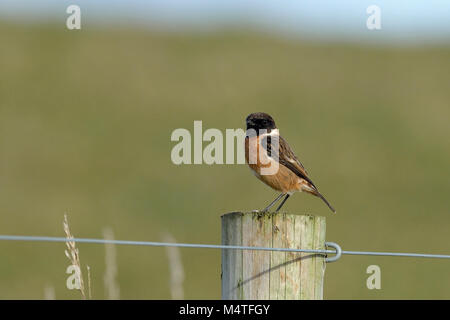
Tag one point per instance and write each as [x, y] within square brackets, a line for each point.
[250, 274]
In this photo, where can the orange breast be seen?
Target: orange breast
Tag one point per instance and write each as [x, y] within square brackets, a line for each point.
[283, 179]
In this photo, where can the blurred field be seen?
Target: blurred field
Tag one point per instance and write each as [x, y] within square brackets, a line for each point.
[85, 124]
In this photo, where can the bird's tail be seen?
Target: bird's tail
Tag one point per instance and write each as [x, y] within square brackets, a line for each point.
[318, 194]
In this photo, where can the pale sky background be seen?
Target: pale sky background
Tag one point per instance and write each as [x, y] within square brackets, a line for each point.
[403, 21]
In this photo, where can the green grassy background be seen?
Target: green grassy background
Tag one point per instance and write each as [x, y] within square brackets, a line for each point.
[85, 124]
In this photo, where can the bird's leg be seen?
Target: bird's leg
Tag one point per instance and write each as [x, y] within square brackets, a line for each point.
[282, 202]
[272, 203]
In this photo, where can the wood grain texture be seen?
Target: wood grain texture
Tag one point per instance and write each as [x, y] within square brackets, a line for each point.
[251, 274]
[232, 259]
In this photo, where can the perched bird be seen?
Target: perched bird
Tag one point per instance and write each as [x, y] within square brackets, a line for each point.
[266, 149]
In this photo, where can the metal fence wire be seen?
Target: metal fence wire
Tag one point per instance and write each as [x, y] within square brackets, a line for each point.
[336, 253]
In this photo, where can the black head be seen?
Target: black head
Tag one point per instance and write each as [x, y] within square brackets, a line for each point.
[260, 120]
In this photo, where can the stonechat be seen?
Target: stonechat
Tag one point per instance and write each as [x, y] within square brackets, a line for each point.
[266, 149]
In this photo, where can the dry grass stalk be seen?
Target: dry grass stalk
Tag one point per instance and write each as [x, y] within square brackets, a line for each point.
[112, 289]
[89, 282]
[176, 269]
[49, 292]
[73, 255]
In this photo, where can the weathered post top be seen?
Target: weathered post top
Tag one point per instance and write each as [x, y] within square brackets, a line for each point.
[251, 274]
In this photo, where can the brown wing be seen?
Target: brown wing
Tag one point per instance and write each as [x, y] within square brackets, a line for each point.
[286, 157]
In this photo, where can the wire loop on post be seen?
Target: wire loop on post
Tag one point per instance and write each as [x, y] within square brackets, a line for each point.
[338, 253]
